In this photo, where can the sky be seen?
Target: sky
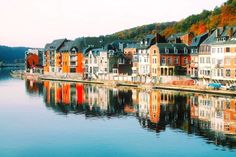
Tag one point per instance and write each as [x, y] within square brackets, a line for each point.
[34, 23]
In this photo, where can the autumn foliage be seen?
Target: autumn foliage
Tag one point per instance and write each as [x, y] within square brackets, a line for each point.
[207, 20]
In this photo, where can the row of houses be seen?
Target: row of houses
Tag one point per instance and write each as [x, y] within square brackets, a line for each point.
[208, 57]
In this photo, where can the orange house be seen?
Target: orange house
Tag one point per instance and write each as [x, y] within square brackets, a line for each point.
[230, 61]
[52, 56]
[46, 65]
[71, 58]
[155, 70]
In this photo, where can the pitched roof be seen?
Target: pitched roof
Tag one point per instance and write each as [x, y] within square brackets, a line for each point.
[96, 51]
[171, 47]
[47, 46]
[56, 44]
[66, 47]
[198, 40]
[174, 36]
[223, 32]
[82, 44]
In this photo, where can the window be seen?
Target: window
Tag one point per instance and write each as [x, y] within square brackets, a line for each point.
[115, 71]
[213, 50]
[154, 51]
[202, 60]
[175, 50]
[72, 70]
[166, 50]
[163, 60]
[169, 60]
[121, 61]
[227, 49]
[176, 60]
[154, 60]
[185, 60]
[227, 72]
[208, 60]
[218, 72]
[227, 61]
[185, 50]
[213, 60]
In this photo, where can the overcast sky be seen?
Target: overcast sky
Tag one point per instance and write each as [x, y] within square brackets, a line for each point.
[36, 22]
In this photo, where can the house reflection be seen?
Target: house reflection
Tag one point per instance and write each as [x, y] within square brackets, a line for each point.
[210, 116]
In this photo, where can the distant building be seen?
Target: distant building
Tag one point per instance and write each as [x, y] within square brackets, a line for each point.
[173, 58]
[216, 56]
[34, 60]
[194, 49]
[185, 38]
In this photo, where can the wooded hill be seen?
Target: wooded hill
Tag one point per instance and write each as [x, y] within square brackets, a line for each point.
[224, 15]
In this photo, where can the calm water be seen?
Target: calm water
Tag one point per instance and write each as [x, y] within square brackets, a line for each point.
[66, 119]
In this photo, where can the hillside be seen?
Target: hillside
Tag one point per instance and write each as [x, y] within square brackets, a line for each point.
[199, 23]
[12, 54]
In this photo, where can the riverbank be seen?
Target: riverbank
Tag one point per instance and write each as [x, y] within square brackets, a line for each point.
[195, 89]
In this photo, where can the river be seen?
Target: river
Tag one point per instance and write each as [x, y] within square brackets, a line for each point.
[46, 118]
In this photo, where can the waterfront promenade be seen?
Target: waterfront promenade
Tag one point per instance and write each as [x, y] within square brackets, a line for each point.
[126, 84]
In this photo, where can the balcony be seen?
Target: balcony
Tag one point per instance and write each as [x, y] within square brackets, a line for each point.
[73, 64]
[73, 59]
[219, 65]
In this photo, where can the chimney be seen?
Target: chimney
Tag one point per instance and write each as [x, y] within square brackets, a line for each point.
[217, 32]
[160, 38]
[231, 32]
[209, 32]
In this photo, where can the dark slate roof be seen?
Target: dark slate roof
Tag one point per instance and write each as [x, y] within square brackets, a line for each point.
[198, 40]
[179, 46]
[47, 46]
[149, 37]
[142, 46]
[56, 44]
[131, 45]
[81, 44]
[96, 51]
[148, 41]
[223, 32]
[66, 46]
[174, 36]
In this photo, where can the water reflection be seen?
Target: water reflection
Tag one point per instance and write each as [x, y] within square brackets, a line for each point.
[210, 117]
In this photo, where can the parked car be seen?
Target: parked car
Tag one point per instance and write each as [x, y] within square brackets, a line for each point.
[215, 85]
[232, 87]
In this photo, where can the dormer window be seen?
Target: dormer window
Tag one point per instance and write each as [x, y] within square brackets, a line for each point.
[166, 50]
[185, 50]
[146, 42]
[175, 50]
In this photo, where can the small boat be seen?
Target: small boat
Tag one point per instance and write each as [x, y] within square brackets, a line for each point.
[17, 73]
